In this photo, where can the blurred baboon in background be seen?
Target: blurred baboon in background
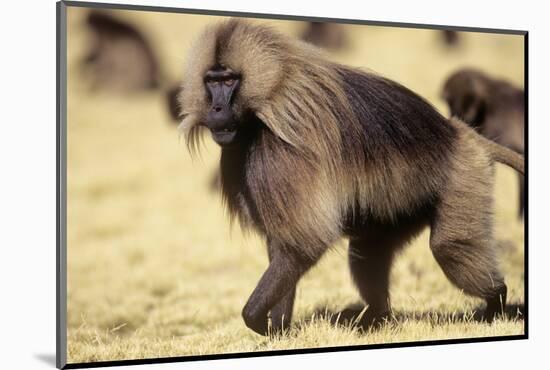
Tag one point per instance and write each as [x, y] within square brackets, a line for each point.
[450, 38]
[325, 35]
[119, 57]
[495, 108]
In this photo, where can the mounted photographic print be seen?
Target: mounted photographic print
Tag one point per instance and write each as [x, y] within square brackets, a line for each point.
[234, 184]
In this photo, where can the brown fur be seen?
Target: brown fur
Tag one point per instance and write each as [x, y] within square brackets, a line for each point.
[333, 151]
[494, 107]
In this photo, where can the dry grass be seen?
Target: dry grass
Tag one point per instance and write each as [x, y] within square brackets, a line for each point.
[153, 269]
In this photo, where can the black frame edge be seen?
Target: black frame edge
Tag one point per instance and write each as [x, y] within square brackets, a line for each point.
[61, 175]
[228, 13]
[286, 352]
[526, 179]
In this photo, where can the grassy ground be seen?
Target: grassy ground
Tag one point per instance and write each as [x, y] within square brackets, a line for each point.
[155, 271]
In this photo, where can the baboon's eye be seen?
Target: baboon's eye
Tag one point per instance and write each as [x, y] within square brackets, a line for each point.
[229, 82]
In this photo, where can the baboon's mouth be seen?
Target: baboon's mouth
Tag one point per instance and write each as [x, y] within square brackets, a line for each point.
[224, 136]
[225, 130]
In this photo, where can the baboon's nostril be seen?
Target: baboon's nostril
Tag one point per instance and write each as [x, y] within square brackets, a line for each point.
[217, 109]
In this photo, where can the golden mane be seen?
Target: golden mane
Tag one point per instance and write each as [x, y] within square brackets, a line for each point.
[286, 83]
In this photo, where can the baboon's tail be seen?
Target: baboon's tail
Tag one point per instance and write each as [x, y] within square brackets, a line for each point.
[504, 155]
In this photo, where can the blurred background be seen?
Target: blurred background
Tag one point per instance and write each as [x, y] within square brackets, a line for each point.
[154, 270]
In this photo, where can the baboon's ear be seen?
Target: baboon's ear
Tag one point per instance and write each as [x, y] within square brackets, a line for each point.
[173, 102]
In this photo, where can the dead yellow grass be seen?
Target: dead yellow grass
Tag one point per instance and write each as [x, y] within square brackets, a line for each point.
[153, 269]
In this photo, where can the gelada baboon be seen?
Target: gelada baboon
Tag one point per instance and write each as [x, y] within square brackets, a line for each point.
[495, 108]
[325, 35]
[120, 57]
[450, 37]
[313, 150]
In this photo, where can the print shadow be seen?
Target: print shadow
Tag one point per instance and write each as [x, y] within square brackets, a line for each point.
[47, 358]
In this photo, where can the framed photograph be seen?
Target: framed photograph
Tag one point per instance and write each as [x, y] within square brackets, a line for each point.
[235, 185]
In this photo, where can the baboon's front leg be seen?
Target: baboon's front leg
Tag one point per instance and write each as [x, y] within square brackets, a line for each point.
[275, 290]
[281, 313]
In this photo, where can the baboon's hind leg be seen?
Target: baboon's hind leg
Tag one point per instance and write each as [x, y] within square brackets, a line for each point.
[370, 258]
[370, 264]
[462, 242]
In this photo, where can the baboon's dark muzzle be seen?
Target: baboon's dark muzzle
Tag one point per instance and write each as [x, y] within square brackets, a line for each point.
[222, 124]
[220, 118]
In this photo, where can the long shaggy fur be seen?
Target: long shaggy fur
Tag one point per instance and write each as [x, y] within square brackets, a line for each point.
[319, 157]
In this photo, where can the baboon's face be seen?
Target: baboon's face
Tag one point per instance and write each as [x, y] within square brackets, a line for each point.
[223, 117]
[231, 78]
